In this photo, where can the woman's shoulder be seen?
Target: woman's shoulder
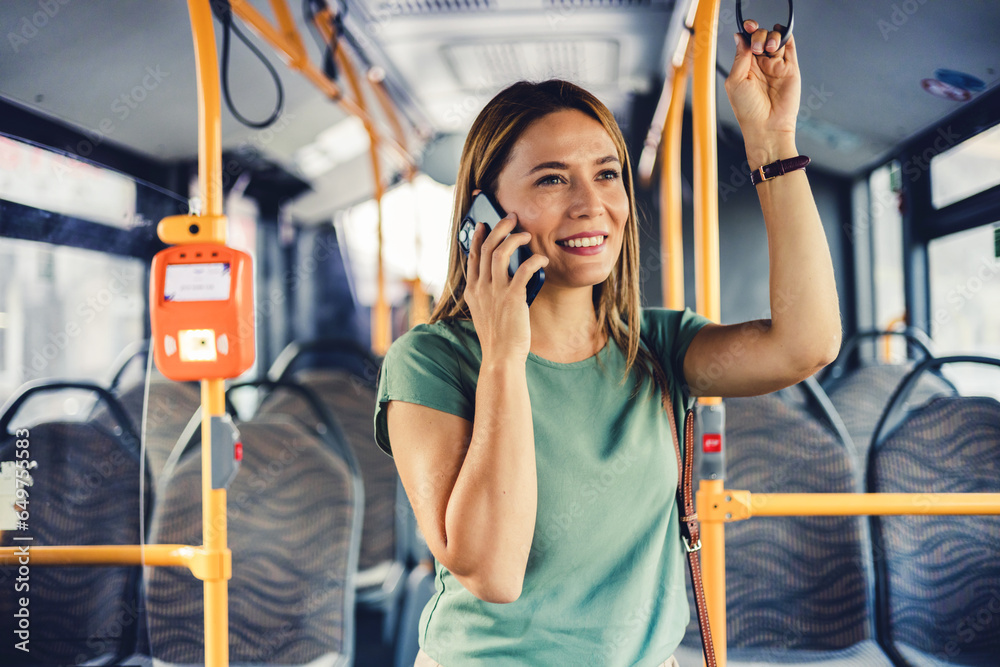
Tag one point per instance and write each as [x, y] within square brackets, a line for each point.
[439, 341]
[665, 329]
[658, 320]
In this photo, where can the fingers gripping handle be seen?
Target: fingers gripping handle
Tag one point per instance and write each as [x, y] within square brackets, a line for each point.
[785, 33]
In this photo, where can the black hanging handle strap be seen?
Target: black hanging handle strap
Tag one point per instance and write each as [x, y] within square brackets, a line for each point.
[785, 33]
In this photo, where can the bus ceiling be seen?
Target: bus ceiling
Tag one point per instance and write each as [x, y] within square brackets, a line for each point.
[876, 75]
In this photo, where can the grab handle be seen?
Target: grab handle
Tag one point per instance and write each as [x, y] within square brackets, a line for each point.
[786, 32]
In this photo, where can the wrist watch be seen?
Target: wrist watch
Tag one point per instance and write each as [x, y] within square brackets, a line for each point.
[775, 169]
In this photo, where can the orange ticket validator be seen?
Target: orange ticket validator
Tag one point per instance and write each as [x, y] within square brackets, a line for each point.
[201, 307]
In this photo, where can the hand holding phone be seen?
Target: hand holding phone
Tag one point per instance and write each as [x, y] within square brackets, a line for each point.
[485, 209]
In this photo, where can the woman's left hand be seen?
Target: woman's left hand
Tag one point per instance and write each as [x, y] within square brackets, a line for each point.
[803, 334]
[764, 86]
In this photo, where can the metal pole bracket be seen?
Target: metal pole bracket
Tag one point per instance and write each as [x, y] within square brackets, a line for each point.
[725, 506]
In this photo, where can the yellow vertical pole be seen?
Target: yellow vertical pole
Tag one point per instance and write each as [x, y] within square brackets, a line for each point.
[706, 171]
[214, 533]
[420, 305]
[887, 340]
[671, 205]
[381, 325]
[706, 238]
[420, 311]
[209, 108]
[381, 312]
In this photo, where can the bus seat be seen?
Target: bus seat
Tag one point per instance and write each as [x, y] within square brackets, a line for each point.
[938, 577]
[85, 491]
[171, 405]
[863, 654]
[419, 591]
[861, 396]
[797, 588]
[352, 402]
[860, 347]
[385, 541]
[294, 531]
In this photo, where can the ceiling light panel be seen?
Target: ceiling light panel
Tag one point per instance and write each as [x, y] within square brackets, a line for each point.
[335, 145]
[589, 62]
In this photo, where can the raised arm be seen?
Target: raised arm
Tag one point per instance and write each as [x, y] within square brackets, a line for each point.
[473, 486]
[804, 331]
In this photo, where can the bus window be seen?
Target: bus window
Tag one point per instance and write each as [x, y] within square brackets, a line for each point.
[965, 290]
[67, 313]
[71, 296]
[887, 254]
[967, 169]
[47, 180]
[415, 226]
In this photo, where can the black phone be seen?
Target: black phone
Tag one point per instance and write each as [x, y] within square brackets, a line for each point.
[486, 210]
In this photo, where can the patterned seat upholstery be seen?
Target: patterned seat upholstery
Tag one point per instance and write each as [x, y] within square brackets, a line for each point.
[940, 575]
[294, 530]
[862, 654]
[85, 492]
[171, 405]
[862, 395]
[352, 402]
[797, 588]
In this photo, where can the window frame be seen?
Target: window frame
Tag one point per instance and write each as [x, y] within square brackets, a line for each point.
[921, 221]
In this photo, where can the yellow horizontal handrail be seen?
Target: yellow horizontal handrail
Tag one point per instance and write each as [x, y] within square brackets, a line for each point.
[199, 560]
[738, 505]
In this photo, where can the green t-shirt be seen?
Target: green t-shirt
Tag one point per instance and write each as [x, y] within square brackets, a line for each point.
[604, 583]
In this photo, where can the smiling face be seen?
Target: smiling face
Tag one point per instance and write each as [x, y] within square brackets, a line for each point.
[564, 182]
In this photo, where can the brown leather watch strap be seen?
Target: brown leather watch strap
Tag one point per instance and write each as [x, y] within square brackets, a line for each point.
[690, 531]
[779, 168]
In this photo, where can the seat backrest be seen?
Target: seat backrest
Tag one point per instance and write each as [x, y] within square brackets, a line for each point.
[171, 405]
[939, 576]
[85, 491]
[862, 395]
[294, 530]
[351, 401]
[792, 583]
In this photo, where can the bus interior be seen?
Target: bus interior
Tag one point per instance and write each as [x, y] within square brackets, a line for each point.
[338, 183]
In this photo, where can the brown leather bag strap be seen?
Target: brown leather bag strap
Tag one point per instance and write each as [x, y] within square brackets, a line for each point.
[690, 530]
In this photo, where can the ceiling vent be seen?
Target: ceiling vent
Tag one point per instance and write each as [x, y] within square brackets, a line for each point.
[606, 4]
[484, 65]
[390, 8]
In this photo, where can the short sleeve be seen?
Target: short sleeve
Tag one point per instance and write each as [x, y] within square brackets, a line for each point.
[422, 367]
[669, 334]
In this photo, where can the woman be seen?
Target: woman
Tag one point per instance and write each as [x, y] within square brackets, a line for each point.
[531, 441]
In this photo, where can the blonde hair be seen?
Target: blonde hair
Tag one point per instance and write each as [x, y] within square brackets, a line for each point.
[486, 152]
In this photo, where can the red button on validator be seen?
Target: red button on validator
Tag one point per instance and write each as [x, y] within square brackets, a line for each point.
[711, 443]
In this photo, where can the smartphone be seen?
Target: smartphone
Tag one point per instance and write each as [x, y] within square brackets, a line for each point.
[486, 210]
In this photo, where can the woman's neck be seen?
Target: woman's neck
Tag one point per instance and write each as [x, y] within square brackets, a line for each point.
[564, 326]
